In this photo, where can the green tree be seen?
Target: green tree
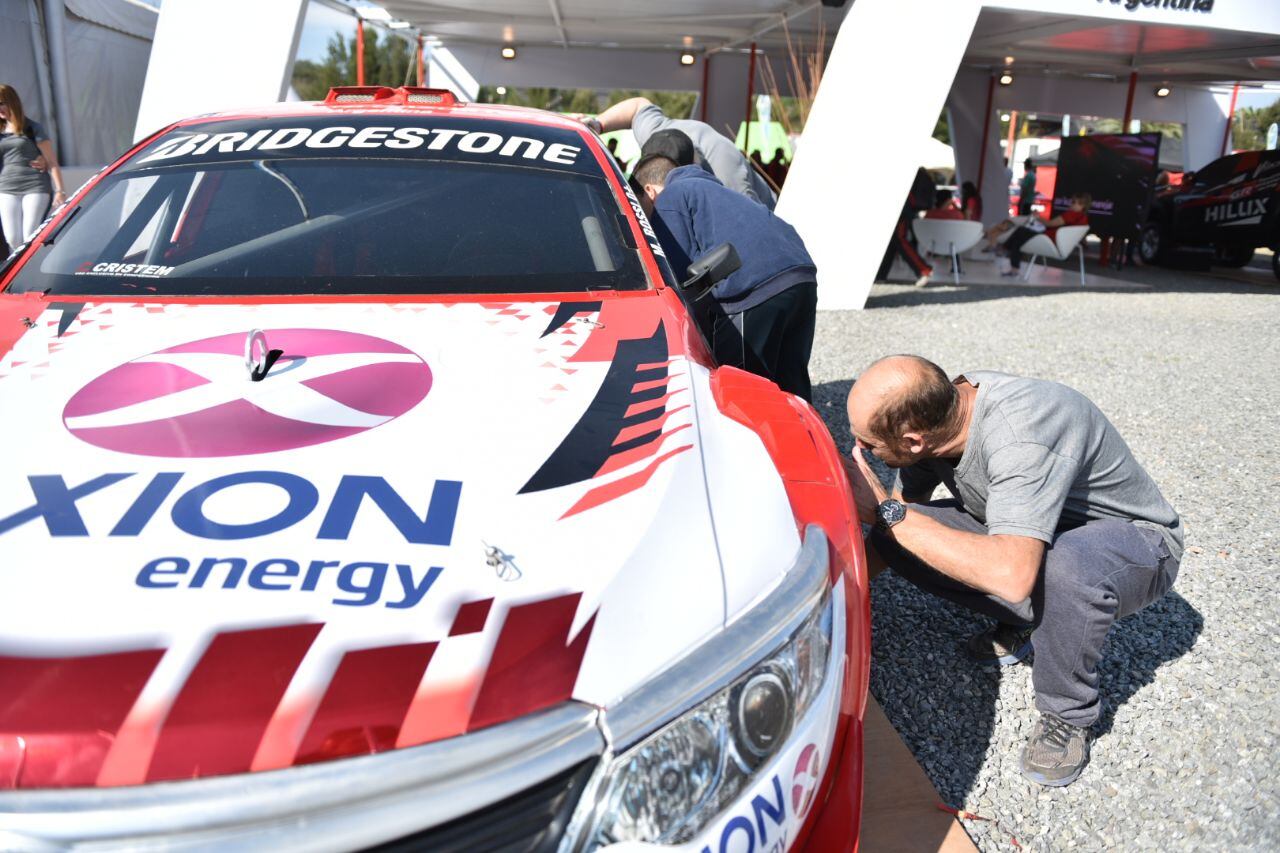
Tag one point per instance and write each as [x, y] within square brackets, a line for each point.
[1249, 127]
[942, 130]
[388, 61]
[674, 104]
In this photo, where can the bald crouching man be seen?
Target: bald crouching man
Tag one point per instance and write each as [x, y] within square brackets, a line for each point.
[1054, 530]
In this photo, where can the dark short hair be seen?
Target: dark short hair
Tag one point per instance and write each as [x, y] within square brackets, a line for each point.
[1085, 199]
[1027, 164]
[675, 145]
[941, 197]
[925, 405]
[653, 169]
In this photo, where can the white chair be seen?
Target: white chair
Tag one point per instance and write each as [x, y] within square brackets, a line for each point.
[1068, 239]
[947, 237]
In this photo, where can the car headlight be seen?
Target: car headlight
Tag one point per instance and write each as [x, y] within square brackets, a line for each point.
[671, 784]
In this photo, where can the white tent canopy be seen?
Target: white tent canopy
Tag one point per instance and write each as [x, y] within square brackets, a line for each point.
[93, 51]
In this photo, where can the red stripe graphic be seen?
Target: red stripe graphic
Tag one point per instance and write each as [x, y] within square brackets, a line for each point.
[649, 405]
[218, 719]
[471, 617]
[636, 430]
[365, 705]
[59, 716]
[622, 485]
[618, 461]
[534, 664]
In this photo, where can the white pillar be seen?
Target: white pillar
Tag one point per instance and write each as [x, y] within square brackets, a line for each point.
[726, 93]
[859, 151]
[1206, 121]
[444, 70]
[967, 115]
[211, 56]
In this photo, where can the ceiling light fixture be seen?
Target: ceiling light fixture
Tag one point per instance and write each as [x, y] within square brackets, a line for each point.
[508, 52]
[687, 58]
[398, 25]
[501, 90]
[1162, 91]
[1006, 78]
[1008, 60]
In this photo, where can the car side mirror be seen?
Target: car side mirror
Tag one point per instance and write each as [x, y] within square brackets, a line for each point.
[710, 269]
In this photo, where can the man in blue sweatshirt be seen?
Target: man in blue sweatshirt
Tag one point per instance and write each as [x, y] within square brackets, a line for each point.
[766, 318]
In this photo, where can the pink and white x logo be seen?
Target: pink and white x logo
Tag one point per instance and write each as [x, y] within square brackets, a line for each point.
[198, 399]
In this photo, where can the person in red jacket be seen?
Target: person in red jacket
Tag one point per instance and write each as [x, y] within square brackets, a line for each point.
[1076, 214]
[943, 208]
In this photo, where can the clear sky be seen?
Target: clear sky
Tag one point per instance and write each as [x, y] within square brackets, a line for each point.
[319, 26]
[1257, 99]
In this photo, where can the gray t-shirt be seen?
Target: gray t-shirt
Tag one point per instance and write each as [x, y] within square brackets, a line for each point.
[17, 150]
[1041, 457]
[718, 152]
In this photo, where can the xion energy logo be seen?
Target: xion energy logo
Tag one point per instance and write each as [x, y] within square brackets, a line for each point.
[199, 399]
[804, 781]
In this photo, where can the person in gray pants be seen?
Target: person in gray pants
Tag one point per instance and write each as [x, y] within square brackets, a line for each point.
[1053, 529]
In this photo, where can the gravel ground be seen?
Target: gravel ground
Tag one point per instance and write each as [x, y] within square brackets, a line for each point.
[1185, 751]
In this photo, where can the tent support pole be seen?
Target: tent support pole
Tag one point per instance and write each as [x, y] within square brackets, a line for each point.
[1231, 114]
[702, 100]
[986, 133]
[55, 33]
[751, 96]
[359, 51]
[1128, 102]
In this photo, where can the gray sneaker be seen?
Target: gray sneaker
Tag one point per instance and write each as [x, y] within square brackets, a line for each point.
[1002, 644]
[1056, 752]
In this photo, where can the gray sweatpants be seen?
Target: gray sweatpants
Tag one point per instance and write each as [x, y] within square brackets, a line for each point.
[1091, 576]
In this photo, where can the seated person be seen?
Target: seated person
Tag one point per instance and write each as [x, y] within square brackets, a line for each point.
[1076, 214]
[970, 202]
[943, 208]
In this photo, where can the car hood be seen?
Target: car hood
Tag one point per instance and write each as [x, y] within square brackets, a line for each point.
[422, 520]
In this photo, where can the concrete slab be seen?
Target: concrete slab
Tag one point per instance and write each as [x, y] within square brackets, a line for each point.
[900, 811]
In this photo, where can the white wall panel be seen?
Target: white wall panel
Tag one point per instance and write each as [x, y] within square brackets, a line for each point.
[848, 180]
[216, 56]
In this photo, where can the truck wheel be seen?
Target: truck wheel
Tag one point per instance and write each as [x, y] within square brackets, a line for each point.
[1232, 256]
[1151, 243]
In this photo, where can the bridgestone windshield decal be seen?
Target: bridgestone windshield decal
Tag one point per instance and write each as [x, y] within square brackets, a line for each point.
[406, 137]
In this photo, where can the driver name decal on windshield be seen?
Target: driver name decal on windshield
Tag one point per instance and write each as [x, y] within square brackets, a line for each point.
[329, 138]
[119, 269]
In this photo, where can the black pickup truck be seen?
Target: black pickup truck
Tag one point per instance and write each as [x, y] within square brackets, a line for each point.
[1232, 206]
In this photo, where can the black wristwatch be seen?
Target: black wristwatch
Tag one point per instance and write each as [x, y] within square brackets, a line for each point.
[889, 513]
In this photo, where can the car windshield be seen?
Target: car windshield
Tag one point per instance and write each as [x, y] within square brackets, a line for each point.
[384, 205]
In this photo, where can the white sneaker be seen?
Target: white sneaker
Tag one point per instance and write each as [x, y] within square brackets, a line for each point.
[923, 280]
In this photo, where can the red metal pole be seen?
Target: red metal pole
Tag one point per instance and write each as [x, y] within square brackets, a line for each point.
[1012, 138]
[360, 52]
[986, 137]
[422, 75]
[1128, 102]
[751, 96]
[1231, 114]
[702, 101]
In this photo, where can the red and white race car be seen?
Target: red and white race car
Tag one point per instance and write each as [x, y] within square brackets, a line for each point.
[366, 482]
